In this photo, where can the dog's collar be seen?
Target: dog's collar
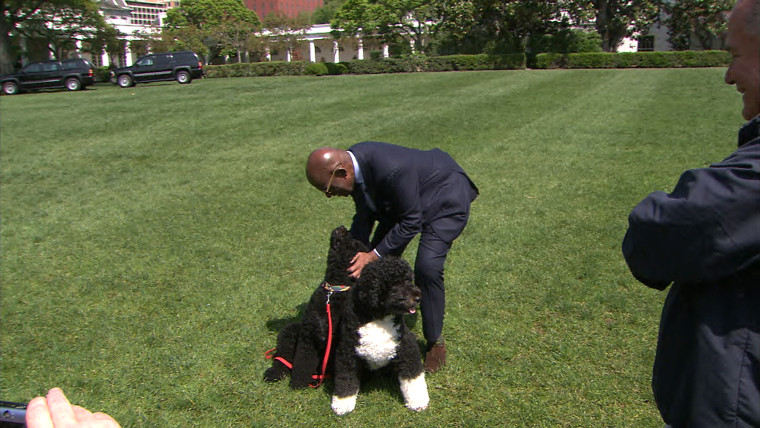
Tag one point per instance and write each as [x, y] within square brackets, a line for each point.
[329, 287]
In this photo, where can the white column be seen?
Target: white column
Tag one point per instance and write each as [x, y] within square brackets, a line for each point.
[385, 51]
[360, 50]
[336, 52]
[127, 55]
[267, 53]
[312, 51]
[411, 45]
[51, 52]
[104, 59]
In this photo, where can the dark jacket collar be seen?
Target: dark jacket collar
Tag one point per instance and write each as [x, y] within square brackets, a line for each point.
[750, 131]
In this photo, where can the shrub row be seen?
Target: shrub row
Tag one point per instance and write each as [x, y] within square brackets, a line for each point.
[102, 74]
[251, 69]
[372, 66]
[437, 63]
[674, 59]
[414, 63]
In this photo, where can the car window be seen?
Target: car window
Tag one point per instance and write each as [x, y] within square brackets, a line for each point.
[74, 64]
[51, 66]
[144, 62]
[33, 68]
[186, 57]
[163, 59]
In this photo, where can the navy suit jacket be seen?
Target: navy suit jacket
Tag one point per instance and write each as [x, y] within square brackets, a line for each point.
[405, 189]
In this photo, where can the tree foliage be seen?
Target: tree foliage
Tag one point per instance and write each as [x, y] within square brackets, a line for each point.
[705, 19]
[210, 14]
[616, 19]
[283, 32]
[417, 20]
[505, 26]
[209, 27]
[58, 22]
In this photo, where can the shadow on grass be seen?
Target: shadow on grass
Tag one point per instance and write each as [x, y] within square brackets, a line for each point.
[277, 324]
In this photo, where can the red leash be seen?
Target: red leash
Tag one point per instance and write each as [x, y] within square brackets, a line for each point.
[280, 359]
[319, 378]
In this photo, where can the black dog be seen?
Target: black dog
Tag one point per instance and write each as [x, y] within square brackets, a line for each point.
[374, 335]
[303, 344]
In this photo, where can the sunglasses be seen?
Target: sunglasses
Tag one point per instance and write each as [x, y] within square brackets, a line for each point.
[332, 176]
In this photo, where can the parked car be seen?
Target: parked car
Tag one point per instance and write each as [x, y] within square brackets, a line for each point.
[180, 66]
[72, 74]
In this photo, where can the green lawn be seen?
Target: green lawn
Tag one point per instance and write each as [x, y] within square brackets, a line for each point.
[155, 239]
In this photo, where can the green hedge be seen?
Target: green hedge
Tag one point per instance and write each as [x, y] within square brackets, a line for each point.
[372, 66]
[102, 74]
[674, 59]
[437, 63]
[250, 69]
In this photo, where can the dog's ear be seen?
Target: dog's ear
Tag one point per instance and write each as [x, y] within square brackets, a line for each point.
[338, 235]
[371, 285]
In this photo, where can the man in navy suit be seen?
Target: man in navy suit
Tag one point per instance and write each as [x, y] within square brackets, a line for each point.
[406, 192]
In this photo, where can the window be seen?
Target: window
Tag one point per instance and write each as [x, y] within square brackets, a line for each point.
[646, 44]
[33, 68]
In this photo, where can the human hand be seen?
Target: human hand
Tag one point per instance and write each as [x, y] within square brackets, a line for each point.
[55, 410]
[359, 261]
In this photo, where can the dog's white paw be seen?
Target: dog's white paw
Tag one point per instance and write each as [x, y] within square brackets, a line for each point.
[344, 405]
[415, 393]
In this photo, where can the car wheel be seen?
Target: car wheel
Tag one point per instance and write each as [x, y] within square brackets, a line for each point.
[73, 84]
[10, 88]
[184, 77]
[124, 80]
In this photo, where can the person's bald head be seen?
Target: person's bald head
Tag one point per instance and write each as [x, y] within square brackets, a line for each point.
[331, 171]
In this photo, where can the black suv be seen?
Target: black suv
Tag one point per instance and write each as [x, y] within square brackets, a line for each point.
[72, 74]
[182, 66]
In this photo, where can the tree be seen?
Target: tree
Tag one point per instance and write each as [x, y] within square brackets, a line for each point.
[236, 36]
[283, 32]
[209, 14]
[705, 19]
[326, 13]
[106, 39]
[58, 22]
[415, 20]
[220, 25]
[181, 39]
[617, 19]
[493, 26]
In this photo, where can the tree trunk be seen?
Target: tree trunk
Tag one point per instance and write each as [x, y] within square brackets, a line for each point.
[6, 61]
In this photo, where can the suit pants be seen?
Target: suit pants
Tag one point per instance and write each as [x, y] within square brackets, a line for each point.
[428, 274]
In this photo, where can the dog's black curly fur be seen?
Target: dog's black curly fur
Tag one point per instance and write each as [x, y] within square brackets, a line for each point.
[303, 343]
[374, 335]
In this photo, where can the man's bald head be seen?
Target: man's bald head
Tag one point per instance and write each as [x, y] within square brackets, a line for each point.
[331, 170]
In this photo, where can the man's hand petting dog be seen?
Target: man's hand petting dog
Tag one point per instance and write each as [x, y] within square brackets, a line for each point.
[359, 261]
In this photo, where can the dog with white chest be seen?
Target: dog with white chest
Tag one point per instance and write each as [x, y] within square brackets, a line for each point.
[374, 335]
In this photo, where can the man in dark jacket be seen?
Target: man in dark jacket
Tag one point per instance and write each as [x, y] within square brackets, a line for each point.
[406, 192]
[704, 237]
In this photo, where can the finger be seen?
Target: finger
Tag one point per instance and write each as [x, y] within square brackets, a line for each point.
[81, 413]
[107, 420]
[38, 414]
[60, 409]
